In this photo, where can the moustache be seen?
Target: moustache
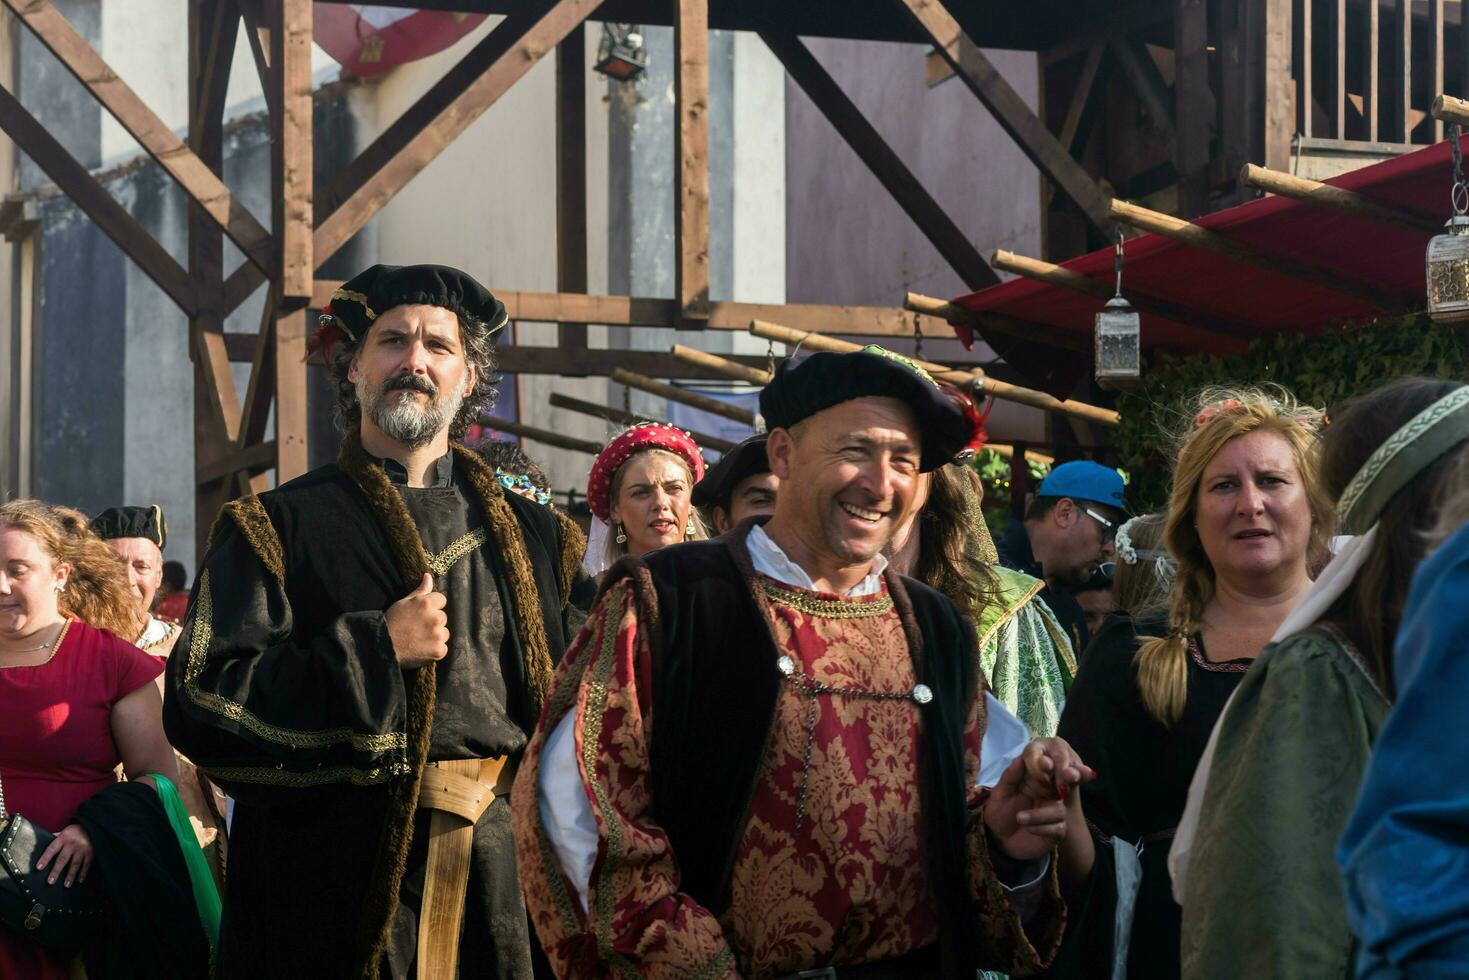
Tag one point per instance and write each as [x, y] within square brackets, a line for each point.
[411, 382]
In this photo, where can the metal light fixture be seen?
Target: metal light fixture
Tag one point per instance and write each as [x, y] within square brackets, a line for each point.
[1448, 253]
[1119, 337]
[620, 53]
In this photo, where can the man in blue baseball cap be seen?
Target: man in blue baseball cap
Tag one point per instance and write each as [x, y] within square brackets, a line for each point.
[1068, 532]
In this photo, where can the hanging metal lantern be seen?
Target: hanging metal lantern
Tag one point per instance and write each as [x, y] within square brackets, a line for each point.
[1448, 253]
[1119, 338]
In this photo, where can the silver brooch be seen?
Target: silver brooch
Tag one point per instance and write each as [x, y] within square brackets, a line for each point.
[922, 694]
[786, 666]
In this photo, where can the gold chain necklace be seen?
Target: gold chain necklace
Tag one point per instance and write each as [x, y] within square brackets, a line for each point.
[810, 688]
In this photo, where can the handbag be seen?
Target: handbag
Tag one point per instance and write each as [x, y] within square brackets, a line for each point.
[53, 915]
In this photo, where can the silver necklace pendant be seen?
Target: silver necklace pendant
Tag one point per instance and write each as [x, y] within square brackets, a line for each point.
[922, 694]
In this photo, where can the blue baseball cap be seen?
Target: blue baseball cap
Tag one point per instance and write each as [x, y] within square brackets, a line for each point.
[1082, 479]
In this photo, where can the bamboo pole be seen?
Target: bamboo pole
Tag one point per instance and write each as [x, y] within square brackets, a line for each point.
[1450, 110]
[1199, 237]
[1055, 275]
[976, 378]
[713, 362]
[693, 399]
[541, 435]
[1337, 199]
[933, 306]
[609, 414]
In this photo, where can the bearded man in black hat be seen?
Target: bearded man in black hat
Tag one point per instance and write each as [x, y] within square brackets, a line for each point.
[368, 649]
[766, 755]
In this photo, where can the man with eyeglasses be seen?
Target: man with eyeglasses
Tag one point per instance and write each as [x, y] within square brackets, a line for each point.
[1068, 532]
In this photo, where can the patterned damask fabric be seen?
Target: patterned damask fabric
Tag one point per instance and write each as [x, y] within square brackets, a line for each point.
[848, 888]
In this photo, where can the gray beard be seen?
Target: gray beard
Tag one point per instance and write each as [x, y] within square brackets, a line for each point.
[403, 420]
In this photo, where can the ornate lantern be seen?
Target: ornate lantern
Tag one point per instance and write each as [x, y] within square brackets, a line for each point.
[621, 55]
[1119, 337]
[1448, 253]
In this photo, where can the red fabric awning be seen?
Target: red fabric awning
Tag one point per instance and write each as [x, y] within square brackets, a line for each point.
[1252, 300]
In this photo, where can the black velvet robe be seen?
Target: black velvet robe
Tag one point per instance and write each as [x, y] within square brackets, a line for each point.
[290, 696]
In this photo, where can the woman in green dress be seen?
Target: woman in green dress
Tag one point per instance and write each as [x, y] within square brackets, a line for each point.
[1246, 516]
[1257, 875]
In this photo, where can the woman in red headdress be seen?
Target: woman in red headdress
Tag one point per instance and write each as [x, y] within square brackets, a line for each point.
[641, 494]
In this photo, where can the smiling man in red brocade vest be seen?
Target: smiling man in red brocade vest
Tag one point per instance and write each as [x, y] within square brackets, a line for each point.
[764, 754]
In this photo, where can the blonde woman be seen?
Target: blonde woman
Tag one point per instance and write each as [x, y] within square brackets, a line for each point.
[1246, 519]
[641, 491]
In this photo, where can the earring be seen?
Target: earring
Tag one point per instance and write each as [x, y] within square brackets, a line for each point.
[621, 535]
[688, 527]
[60, 587]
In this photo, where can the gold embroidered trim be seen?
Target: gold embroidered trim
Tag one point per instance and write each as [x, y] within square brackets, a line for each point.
[440, 563]
[359, 298]
[616, 854]
[1009, 613]
[555, 878]
[826, 608]
[302, 780]
[236, 712]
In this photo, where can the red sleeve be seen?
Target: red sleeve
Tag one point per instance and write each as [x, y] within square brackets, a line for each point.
[131, 668]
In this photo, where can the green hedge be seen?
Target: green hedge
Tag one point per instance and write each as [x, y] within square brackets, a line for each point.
[1321, 369]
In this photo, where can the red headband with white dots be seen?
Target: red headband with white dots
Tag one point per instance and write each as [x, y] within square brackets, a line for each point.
[644, 435]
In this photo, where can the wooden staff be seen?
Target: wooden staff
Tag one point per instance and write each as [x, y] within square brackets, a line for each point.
[692, 399]
[713, 362]
[1337, 199]
[610, 414]
[1008, 452]
[976, 378]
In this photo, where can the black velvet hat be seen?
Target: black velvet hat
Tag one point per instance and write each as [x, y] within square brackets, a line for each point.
[801, 389]
[745, 459]
[132, 522]
[360, 300]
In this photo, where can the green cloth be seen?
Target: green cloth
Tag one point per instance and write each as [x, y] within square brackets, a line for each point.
[1024, 652]
[206, 895]
[1264, 896]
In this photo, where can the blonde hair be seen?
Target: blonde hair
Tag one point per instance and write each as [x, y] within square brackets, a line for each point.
[615, 549]
[1223, 414]
[97, 590]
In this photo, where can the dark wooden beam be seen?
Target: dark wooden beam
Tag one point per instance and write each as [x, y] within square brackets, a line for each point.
[1147, 83]
[1010, 110]
[1193, 106]
[571, 177]
[402, 152]
[619, 417]
[257, 36]
[542, 435]
[641, 311]
[92, 198]
[906, 189]
[1081, 101]
[1279, 86]
[250, 460]
[1112, 22]
[691, 156]
[198, 182]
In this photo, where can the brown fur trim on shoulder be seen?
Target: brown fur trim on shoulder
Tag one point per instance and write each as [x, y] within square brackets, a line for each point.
[375, 920]
[506, 530]
[573, 550]
[250, 517]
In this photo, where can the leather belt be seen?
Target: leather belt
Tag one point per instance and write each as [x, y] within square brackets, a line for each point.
[458, 791]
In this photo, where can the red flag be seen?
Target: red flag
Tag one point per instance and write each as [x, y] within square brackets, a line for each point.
[368, 40]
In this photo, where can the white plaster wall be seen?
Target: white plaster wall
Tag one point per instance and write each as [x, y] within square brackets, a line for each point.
[147, 43]
[487, 204]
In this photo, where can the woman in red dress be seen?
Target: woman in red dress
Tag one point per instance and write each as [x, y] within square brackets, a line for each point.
[75, 700]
